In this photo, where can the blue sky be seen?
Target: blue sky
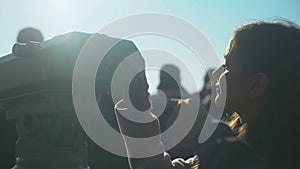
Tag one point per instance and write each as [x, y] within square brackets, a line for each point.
[215, 19]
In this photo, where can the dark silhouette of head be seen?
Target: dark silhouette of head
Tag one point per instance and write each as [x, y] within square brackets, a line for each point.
[169, 77]
[268, 55]
[29, 34]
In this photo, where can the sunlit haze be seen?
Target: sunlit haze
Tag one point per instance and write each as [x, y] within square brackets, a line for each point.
[216, 20]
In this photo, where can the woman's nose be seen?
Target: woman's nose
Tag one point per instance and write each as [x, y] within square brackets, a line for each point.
[217, 73]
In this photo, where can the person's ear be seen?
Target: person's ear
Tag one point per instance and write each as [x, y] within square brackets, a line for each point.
[257, 85]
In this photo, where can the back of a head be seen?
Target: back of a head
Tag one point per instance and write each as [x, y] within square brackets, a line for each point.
[169, 77]
[29, 34]
[272, 48]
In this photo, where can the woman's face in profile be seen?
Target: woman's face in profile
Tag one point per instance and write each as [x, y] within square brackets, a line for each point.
[230, 81]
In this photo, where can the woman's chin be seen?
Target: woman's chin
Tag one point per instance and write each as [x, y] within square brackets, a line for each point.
[220, 101]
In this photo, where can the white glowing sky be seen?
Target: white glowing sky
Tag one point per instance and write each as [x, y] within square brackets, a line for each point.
[215, 19]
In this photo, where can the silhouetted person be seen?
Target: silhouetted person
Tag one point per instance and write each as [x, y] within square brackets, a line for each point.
[261, 71]
[170, 87]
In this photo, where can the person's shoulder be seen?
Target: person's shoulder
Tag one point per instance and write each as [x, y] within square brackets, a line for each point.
[225, 150]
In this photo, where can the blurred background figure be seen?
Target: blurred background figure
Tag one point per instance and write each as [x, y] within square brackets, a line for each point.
[29, 34]
[167, 102]
[169, 88]
[205, 93]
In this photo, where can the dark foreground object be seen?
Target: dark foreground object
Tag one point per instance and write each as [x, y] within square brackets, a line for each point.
[36, 94]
